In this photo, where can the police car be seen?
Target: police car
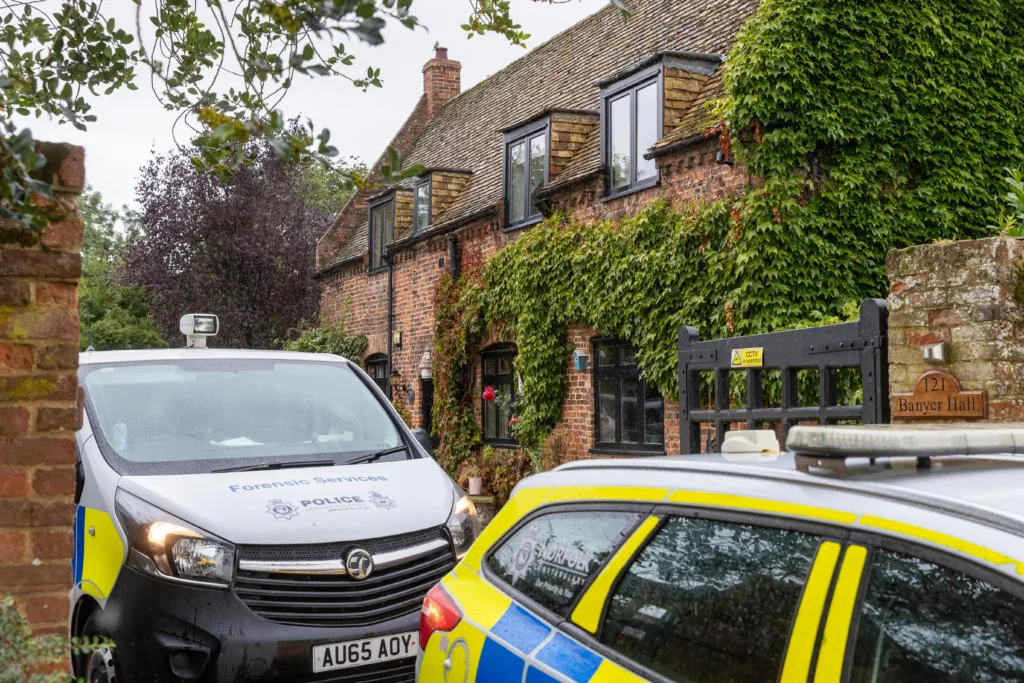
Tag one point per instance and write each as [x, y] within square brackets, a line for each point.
[869, 555]
[252, 516]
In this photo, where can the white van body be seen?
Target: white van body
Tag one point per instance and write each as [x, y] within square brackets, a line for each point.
[292, 565]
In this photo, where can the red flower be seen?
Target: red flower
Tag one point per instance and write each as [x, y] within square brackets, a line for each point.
[513, 422]
[489, 394]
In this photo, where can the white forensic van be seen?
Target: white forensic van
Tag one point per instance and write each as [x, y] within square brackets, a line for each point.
[252, 516]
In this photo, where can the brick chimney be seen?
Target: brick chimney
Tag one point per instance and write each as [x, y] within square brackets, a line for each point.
[441, 80]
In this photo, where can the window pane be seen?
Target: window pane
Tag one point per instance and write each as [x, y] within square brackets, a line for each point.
[620, 148]
[490, 420]
[654, 416]
[538, 159]
[389, 222]
[630, 410]
[490, 365]
[422, 207]
[711, 601]
[606, 410]
[646, 129]
[923, 622]
[607, 355]
[627, 355]
[377, 227]
[505, 365]
[551, 558]
[517, 182]
[503, 389]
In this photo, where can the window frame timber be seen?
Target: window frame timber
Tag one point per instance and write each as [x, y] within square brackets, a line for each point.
[628, 87]
[598, 372]
[388, 201]
[524, 134]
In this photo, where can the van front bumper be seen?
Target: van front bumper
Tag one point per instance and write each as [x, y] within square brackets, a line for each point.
[206, 635]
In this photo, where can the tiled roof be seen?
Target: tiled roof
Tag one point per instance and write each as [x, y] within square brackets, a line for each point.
[561, 73]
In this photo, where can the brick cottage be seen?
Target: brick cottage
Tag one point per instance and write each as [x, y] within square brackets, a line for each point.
[597, 122]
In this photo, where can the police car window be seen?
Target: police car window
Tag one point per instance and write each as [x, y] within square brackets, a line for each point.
[711, 602]
[551, 558]
[923, 622]
[240, 410]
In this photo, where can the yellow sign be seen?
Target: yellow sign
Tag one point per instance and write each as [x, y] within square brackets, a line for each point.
[747, 358]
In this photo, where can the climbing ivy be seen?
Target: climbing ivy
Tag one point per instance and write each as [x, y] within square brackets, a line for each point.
[864, 125]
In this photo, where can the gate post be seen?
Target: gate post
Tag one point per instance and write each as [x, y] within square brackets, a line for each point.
[689, 393]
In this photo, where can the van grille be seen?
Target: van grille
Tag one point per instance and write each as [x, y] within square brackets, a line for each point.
[311, 599]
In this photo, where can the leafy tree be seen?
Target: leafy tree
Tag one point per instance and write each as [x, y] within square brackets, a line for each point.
[225, 67]
[324, 338]
[242, 248]
[112, 315]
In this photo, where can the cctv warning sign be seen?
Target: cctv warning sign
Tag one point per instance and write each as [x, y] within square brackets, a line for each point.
[747, 358]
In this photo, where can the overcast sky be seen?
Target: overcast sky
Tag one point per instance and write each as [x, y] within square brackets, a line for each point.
[131, 124]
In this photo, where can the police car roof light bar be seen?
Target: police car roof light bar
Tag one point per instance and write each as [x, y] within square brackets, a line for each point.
[834, 443]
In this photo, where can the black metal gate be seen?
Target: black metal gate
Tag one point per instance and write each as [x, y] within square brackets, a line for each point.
[827, 349]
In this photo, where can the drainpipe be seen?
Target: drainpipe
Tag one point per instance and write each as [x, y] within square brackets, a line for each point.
[453, 257]
[391, 319]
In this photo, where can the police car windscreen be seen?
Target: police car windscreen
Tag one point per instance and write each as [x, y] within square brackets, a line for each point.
[237, 410]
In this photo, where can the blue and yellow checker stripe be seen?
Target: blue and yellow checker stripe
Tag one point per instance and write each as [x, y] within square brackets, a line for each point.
[99, 552]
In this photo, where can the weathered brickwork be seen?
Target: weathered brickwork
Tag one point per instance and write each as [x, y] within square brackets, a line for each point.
[460, 141]
[969, 295]
[681, 90]
[445, 187]
[569, 132]
[441, 80]
[39, 398]
[686, 175]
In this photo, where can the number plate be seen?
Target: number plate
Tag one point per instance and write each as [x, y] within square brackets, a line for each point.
[365, 651]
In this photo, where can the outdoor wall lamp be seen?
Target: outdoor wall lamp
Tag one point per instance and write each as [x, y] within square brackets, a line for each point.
[934, 353]
[396, 380]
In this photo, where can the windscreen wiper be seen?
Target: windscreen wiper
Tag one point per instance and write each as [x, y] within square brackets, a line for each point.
[278, 465]
[370, 457]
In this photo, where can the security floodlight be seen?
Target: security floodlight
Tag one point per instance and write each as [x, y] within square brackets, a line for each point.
[197, 327]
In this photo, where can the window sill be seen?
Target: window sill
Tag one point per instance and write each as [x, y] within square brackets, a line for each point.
[510, 445]
[632, 190]
[377, 271]
[524, 224]
[613, 450]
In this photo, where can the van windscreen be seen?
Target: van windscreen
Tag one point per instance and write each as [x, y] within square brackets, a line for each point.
[186, 416]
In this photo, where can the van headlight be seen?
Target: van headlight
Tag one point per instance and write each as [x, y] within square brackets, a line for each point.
[463, 523]
[170, 548]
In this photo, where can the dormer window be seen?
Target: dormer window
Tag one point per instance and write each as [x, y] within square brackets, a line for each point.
[632, 118]
[421, 206]
[382, 230]
[526, 170]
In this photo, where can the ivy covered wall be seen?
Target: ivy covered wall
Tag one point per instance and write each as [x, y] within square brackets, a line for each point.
[864, 125]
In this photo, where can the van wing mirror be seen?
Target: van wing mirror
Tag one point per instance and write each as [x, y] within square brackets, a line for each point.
[423, 438]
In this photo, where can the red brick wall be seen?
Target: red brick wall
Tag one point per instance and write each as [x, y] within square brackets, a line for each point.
[442, 80]
[39, 397]
[686, 176]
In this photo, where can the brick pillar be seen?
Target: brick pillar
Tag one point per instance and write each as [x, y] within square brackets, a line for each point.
[39, 396]
[441, 80]
[969, 295]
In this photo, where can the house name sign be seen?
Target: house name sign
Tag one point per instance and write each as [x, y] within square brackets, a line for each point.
[937, 395]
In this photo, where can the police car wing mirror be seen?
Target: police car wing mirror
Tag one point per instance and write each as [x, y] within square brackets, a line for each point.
[423, 438]
[197, 327]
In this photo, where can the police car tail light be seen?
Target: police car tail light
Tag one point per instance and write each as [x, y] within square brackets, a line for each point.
[439, 613]
[164, 546]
